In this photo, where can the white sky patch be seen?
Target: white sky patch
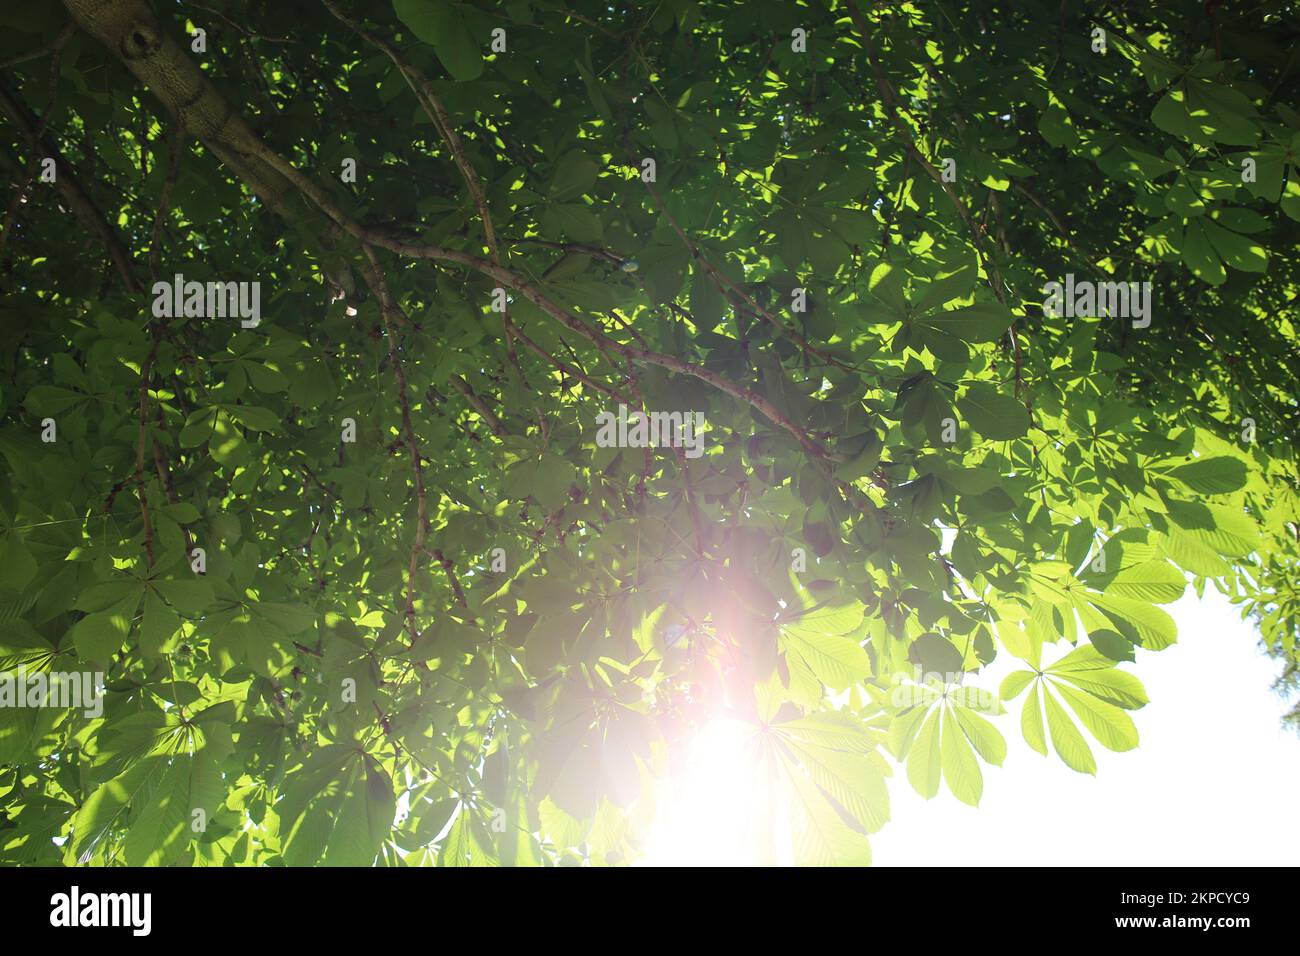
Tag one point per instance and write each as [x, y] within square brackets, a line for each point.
[1212, 783]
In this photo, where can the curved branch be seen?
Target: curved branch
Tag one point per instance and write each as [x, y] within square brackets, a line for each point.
[127, 27]
[69, 186]
[437, 113]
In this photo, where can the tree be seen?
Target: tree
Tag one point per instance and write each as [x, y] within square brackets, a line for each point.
[327, 327]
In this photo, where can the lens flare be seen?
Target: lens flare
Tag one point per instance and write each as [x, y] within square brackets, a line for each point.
[719, 807]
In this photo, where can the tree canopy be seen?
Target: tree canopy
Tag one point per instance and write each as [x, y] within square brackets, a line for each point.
[337, 526]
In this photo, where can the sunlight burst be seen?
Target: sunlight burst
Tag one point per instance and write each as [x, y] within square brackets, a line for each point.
[718, 807]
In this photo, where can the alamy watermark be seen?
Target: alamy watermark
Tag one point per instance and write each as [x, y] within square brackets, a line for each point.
[1124, 300]
[75, 908]
[922, 689]
[209, 300]
[639, 429]
[79, 689]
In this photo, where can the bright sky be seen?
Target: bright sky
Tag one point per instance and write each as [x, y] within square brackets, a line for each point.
[1214, 781]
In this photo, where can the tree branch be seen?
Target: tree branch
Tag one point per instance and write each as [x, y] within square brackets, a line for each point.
[890, 102]
[56, 43]
[480, 406]
[69, 186]
[437, 113]
[127, 27]
[725, 284]
[374, 276]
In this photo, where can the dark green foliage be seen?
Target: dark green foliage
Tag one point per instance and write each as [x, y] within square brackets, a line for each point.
[476, 621]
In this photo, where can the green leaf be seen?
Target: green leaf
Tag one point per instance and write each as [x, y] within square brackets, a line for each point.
[17, 566]
[819, 835]
[904, 726]
[1237, 251]
[886, 284]
[1113, 728]
[961, 771]
[198, 427]
[337, 809]
[1153, 627]
[52, 400]
[160, 819]
[1110, 642]
[551, 479]
[1228, 531]
[984, 737]
[1084, 659]
[1031, 722]
[1200, 257]
[158, 626]
[181, 512]
[947, 286]
[187, 597]
[575, 174]
[838, 662]
[1113, 686]
[460, 847]
[98, 636]
[1066, 739]
[832, 730]
[1171, 114]
[573, 221]
[288, 618]
[935, 654]
[1155, 582]
[982, 322]
[105, 807]
[1212, 476]
[854, 782]
[993, 414]
[1014, 683]
[443, 26]
[254, 417]
[923, 760]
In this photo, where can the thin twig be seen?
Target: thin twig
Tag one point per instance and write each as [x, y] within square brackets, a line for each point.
[56, 43]
[175, 140]
[374, 275]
